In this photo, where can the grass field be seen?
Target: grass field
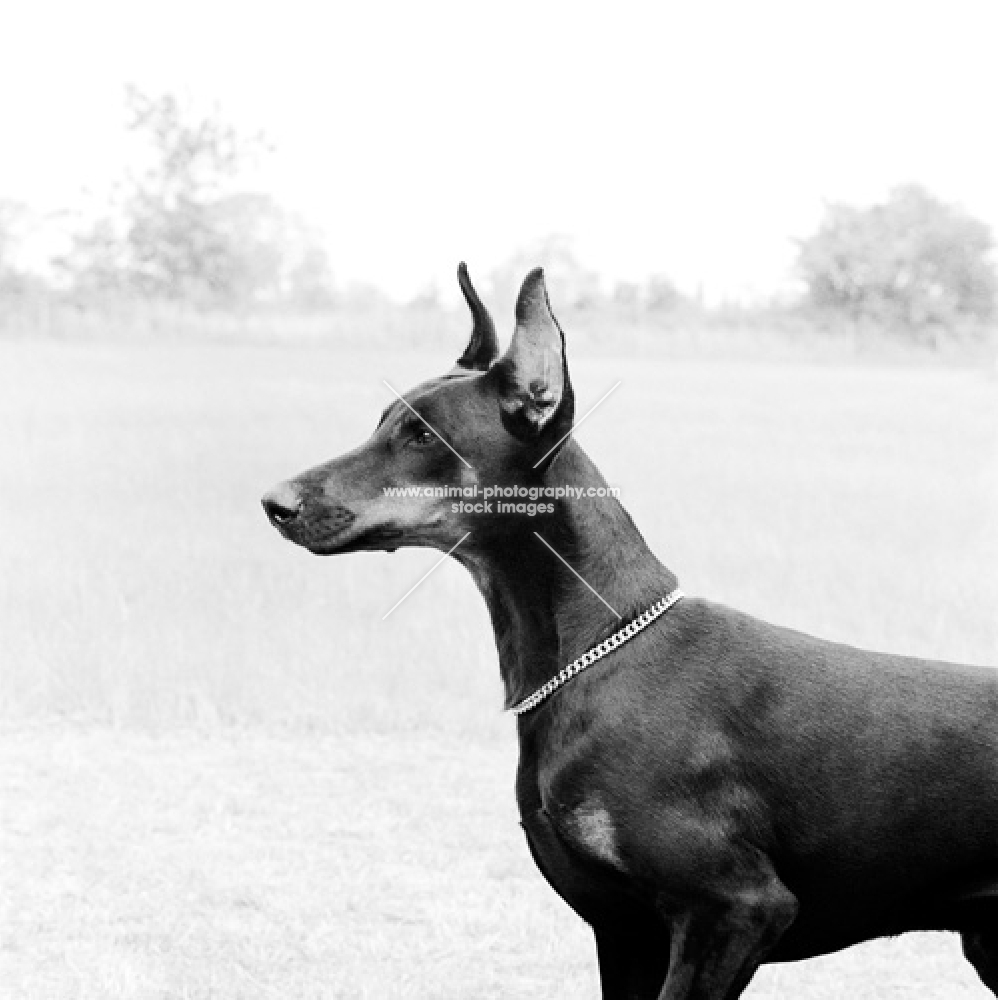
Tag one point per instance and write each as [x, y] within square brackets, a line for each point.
[224, 776]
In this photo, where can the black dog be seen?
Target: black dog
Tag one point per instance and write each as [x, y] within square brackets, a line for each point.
[717, 792]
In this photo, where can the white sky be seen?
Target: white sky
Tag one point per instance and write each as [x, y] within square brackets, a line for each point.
[693, 139]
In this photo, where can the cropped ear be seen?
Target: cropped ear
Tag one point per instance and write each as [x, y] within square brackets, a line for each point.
[483, 347]
[535, 393]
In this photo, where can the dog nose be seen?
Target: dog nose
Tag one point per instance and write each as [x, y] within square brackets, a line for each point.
[283, 503]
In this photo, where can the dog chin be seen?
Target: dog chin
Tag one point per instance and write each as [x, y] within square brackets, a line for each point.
[372, 539]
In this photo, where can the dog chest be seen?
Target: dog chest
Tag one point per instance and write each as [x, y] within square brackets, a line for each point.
[588, 827]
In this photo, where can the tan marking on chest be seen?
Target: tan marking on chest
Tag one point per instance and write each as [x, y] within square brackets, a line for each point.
[590, 827]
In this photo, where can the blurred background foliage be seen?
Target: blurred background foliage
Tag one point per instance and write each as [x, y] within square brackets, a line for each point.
[911, 263]
[184, 246]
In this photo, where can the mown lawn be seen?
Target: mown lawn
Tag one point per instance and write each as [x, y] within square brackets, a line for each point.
[224, 776]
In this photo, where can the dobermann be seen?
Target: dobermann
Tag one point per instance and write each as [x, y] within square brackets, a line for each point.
[708, 791]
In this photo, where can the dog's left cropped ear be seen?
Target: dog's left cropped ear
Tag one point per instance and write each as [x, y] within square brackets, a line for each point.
[535, 393]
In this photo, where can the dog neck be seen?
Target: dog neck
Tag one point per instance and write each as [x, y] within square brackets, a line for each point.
[543, 611]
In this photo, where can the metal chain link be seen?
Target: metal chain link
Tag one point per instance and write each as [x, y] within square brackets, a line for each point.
[589, 657]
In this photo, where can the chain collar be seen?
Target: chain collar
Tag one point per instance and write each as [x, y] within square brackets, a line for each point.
[588, 658]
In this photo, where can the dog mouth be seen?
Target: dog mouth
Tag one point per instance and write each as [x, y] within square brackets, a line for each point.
[381, 537]
[336, 533]
[326, 529]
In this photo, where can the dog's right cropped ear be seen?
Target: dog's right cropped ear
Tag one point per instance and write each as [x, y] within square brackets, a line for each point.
[483, 347]
[535, 392]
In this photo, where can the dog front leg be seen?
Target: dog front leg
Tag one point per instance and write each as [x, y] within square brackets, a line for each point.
[717, 947]
[633, 958]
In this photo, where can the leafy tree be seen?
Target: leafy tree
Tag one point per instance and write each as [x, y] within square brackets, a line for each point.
[98, 260]
[12, 216]
[661, 294]
[912, 262]
[627, 296]
[308, 281]
[184, 231]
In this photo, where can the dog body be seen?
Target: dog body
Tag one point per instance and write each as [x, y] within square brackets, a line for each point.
[800, 789]
[718, 792]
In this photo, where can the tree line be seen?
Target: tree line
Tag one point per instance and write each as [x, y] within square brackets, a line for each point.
[182, 229]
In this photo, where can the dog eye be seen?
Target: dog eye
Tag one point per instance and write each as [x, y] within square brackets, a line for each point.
[422, 437]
